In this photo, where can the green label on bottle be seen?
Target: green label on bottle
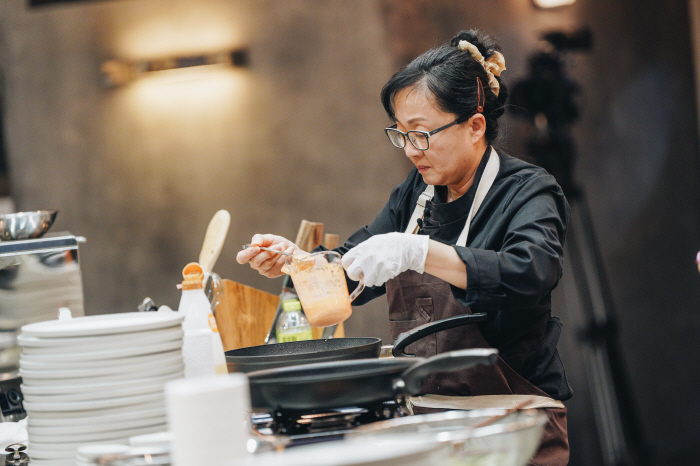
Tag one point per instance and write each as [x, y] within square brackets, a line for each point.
[290, 305]
[296, 336]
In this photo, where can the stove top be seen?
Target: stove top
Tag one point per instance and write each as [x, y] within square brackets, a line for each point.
[323, 425]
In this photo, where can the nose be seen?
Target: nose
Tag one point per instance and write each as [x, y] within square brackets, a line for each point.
[411, 152]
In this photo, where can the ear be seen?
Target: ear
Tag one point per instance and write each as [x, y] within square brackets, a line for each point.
[477, 124]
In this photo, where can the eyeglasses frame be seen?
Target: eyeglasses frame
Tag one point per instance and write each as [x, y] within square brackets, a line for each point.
[480, 102]
[426, 133]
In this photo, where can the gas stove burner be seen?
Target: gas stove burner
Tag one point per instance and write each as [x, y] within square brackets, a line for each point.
[322, 425]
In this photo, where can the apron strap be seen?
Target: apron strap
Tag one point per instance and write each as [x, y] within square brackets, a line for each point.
[482, 402]
[420, 208]
[487, 179]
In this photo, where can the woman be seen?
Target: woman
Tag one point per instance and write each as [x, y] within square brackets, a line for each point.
[470, 229]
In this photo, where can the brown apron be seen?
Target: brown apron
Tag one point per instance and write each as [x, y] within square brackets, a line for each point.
[416, 299]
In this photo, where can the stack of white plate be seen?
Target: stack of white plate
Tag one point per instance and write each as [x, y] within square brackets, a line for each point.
[96, 380]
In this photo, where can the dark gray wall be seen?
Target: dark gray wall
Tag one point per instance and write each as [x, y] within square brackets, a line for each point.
[638, 162]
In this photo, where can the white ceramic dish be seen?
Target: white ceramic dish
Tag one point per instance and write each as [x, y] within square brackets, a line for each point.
[89, 453]
[102, 341]
[96, 395]
[137, 412]
[106, 324]
[173, 360]
[54, 462]
[175, 370]
[93, 413]
[60, 451]
[88, 405]
[95, 426]
[166, 350]
[95, 388]
[98, 352]
[96, 436]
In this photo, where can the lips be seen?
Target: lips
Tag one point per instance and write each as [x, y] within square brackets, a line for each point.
[422, 168]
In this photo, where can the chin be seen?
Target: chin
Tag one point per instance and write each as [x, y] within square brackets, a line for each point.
[432, 179]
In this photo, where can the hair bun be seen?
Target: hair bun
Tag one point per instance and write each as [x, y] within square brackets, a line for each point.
[485, 43]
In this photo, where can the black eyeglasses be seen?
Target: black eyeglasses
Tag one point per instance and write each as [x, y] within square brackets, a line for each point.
[419, 139]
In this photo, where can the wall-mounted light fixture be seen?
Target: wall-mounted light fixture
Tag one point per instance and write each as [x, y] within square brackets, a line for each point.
[119, 72]
[552, 3]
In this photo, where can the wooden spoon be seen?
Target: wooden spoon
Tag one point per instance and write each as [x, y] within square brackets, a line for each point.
[214, 240]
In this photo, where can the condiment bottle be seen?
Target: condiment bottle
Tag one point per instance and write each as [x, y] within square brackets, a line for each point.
[292, 324]
[202, 349]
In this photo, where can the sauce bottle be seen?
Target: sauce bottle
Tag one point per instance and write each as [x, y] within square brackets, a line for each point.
[202, 349]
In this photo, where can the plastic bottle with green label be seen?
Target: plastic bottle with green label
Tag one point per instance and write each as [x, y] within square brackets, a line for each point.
[292, 324]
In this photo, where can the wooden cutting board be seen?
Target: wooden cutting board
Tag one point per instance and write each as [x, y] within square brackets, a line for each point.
[244, 315]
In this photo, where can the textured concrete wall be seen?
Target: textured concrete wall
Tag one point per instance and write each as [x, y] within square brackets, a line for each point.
[140, 170]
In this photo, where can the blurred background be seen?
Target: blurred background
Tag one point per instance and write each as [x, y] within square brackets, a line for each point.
[139, 166]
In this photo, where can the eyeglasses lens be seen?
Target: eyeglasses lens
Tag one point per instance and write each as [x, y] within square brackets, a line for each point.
[418, 139]
[396, 138]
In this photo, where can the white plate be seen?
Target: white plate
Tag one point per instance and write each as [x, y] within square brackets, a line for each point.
[87, 389]
[172, 359]
[158, 372]
[65, 462]
[102, 341]
[134, 413]
[81, 361]
[97, 351]
[95, 416]
[88, 453]
[103, 426]
[96, 395]
[106, 324]
[60, 451]
[89, 405]
[97, 436]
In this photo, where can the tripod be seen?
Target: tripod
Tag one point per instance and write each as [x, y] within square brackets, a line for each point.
[621, 440]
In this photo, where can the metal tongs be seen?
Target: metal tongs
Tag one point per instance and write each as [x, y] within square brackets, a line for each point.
[246, 246]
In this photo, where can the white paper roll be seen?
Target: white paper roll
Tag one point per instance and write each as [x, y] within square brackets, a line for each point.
[208, 419]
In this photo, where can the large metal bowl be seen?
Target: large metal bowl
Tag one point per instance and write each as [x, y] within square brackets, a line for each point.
[26, 225]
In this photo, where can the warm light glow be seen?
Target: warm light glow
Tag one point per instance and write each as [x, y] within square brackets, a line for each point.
[189, 28]
[553, 3]
[204, 90]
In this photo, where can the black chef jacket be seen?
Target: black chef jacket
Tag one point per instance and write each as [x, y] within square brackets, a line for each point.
[513, 259]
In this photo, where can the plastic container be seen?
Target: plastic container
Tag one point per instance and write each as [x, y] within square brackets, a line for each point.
[292, 324]
[199, 326]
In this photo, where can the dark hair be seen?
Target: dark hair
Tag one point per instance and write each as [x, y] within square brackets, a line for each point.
[449, 74]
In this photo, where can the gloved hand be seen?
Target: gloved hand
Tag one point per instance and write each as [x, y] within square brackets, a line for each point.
[383, 257]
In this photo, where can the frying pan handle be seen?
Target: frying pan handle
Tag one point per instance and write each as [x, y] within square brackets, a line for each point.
[413, 335]
[414, 377]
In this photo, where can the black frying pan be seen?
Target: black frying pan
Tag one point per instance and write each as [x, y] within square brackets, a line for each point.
[354, 383]
[256, 358]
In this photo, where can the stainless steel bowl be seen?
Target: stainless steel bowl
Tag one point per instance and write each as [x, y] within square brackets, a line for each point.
[26, 225]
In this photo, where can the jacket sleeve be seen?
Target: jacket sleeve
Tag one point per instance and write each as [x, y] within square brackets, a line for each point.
[529, 263]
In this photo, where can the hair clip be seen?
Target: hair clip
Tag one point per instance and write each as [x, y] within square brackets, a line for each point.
[479, 96]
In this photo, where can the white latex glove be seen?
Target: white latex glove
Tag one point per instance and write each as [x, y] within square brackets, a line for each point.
[383, 257]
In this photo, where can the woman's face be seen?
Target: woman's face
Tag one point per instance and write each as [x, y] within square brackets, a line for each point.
[454, 153]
